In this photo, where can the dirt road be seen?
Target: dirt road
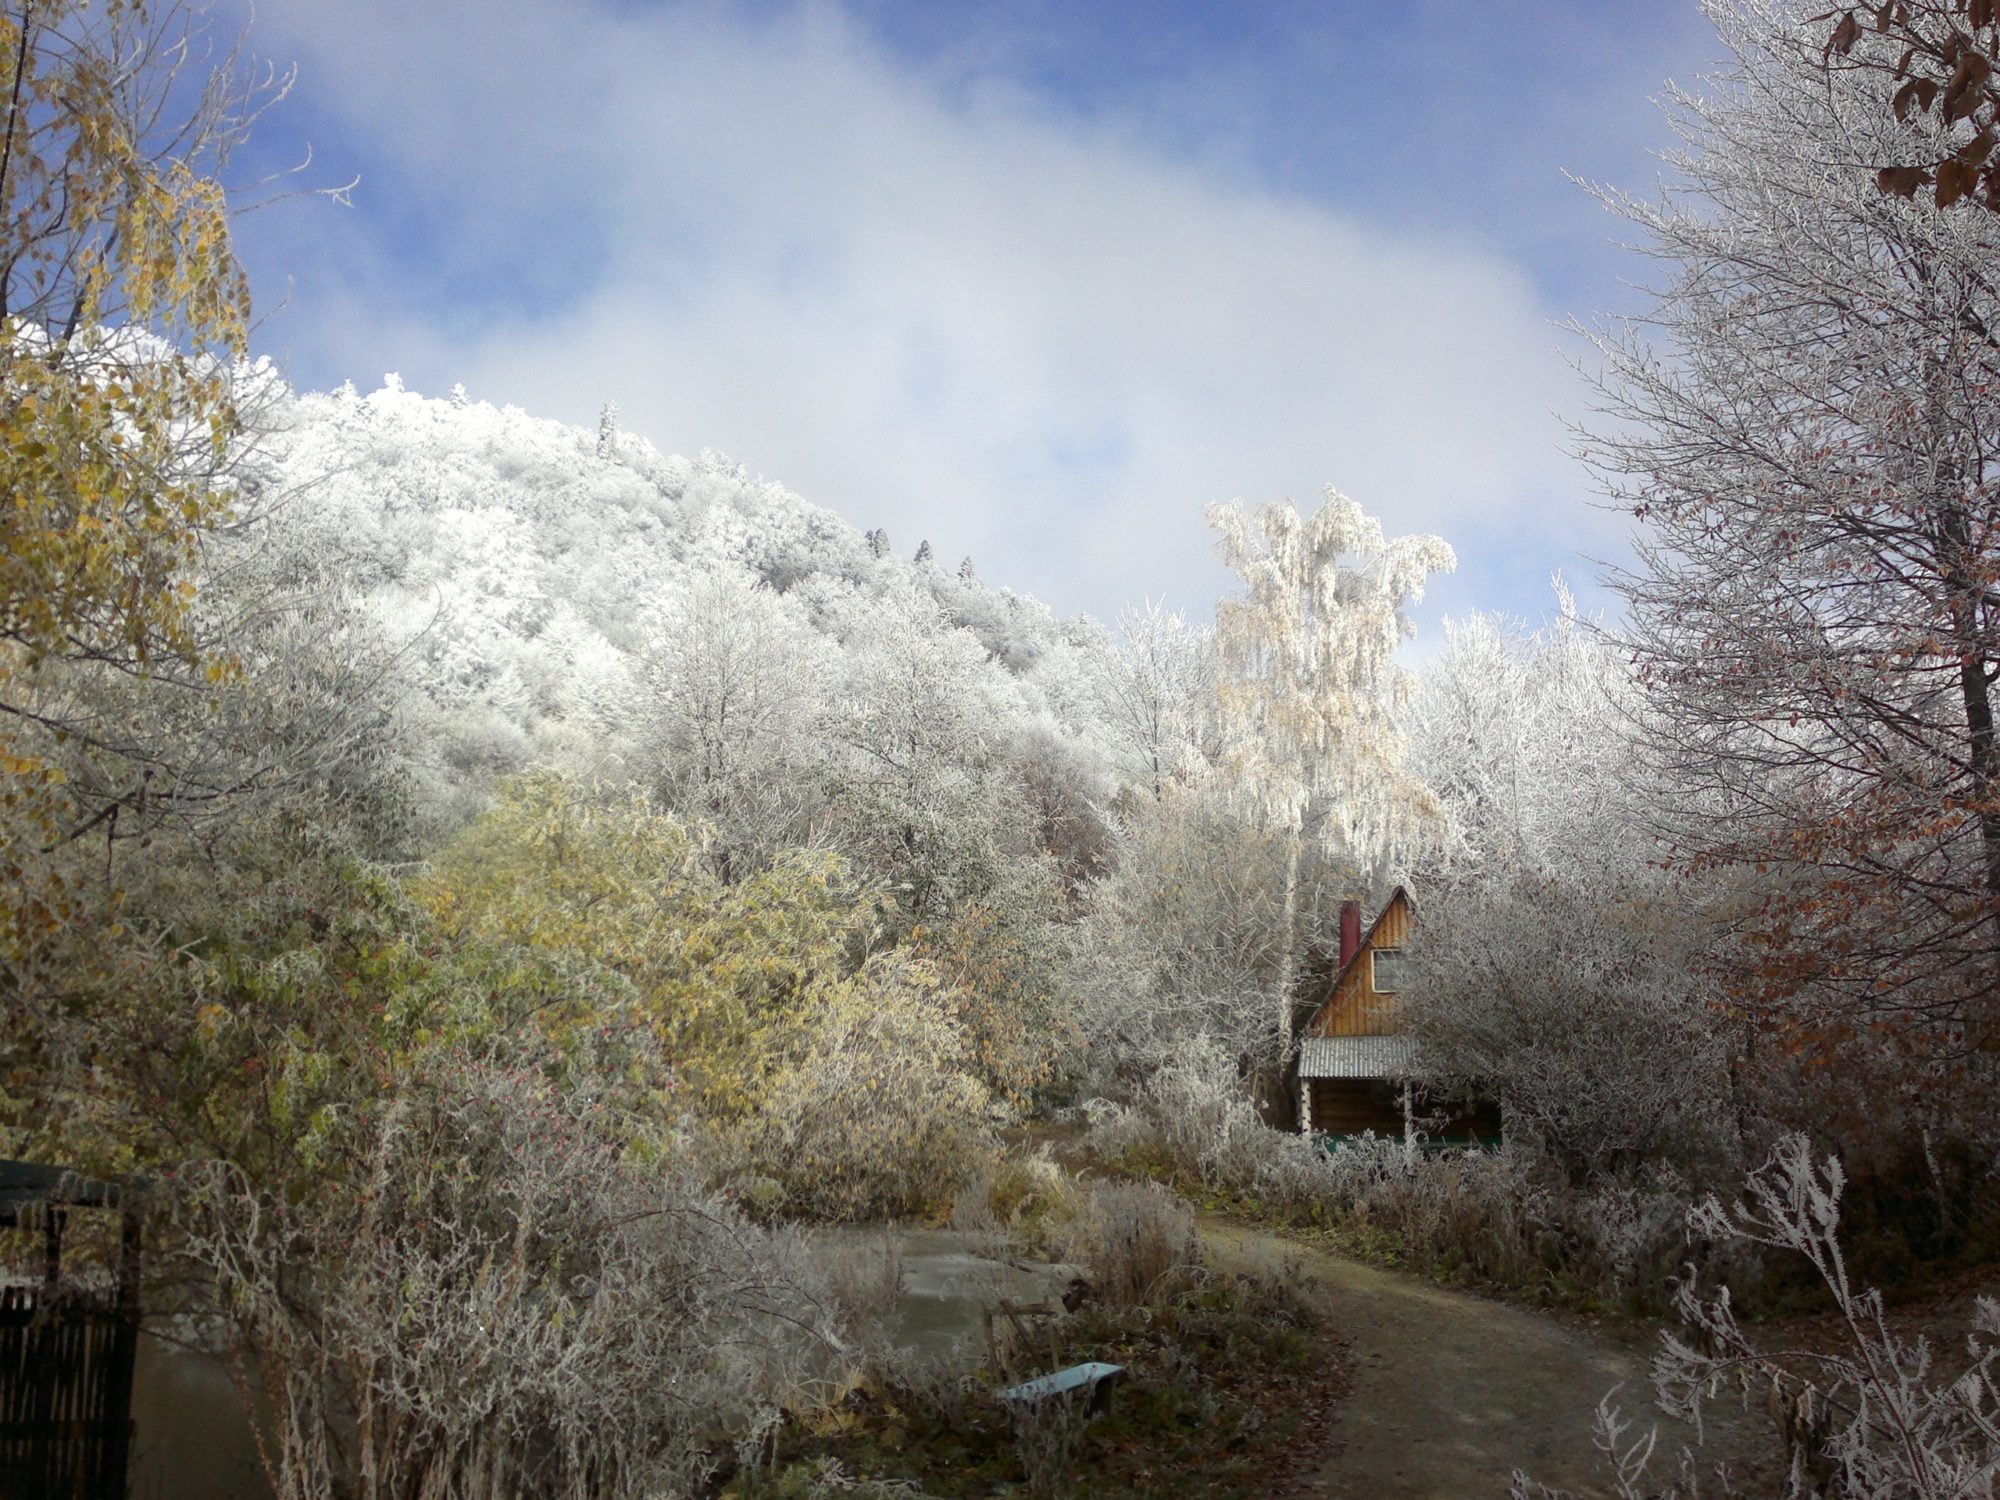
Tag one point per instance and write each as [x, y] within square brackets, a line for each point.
[1452, 1392]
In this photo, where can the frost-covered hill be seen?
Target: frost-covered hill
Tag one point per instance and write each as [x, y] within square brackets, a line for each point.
[559, 595]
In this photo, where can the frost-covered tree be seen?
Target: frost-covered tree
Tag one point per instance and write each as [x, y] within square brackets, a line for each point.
[528, 579]
[1309, 689]
[1186, 937]
[1560, 964]
[1525, 738]
[1576, 999]
[921, 728]
[1808, 426]
[735, 678]
[1156, 697]
[122, 312]
[1928, 55]
[806, 1052]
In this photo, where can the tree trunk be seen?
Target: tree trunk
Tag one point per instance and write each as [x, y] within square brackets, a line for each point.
[1977, 693]
[1288, 958]
[1964, 595]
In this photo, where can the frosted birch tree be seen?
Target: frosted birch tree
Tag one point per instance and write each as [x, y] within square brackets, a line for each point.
[1309, 689]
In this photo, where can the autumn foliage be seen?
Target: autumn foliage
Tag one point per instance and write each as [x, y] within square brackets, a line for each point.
[832, 1075]
[1944, 56]
[122, 309]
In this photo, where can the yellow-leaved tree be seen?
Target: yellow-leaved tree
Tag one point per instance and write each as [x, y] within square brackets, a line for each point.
[822, 1072]
[122, 313]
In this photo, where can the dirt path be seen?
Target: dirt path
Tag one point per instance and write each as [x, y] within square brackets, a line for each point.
[1453, 1392]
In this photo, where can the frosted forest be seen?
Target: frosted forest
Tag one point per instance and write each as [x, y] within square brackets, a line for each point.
[545, 932]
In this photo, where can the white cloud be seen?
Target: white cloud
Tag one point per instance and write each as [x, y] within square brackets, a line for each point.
[960, 314]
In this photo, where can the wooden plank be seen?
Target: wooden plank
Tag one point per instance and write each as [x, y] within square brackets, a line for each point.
[65, 1428]
[1362, 1014]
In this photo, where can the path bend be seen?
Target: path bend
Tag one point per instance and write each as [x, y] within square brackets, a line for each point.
[1453, 1392]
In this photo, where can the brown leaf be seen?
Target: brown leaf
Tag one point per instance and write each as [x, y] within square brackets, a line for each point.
[1962, 93]
[1927, 92]
[1903, 62]
[1975, 151]
[1979, 13]
[1954, 181]
[1901, 181]
[1845, 35]
[1900, 103]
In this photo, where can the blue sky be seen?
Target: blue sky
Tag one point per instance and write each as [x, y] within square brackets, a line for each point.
[1032, 280]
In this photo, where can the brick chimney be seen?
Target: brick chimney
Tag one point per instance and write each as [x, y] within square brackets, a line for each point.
[1350, 931]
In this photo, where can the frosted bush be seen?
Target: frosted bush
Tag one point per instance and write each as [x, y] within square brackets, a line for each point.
[875, 1116]
[830, 1477]
[1115, 1130]
[1875, 1418]
[1486, 1213]
[1022, 1199]
[506, 1302]
[972, 1213]
[1197, 1105]
[1632, 1226]
[1048, 1440]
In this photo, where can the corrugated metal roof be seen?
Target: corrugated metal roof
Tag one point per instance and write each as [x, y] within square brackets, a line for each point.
[1354, 1056]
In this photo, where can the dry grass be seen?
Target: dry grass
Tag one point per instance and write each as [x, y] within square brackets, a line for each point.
[1026, 1199]
[1048, 1441]
[1136, 1241]
[1231, 1385]
[863, 1277]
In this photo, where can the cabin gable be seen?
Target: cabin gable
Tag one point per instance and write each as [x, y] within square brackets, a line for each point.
[1362, 1000]
[1354, 1056]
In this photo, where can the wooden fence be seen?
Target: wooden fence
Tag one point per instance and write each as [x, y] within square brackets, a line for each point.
[66, 1359]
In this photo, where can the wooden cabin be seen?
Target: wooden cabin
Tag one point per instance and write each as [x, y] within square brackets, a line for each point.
[1354, 1058]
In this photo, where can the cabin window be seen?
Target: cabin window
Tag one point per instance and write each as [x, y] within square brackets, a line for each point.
[1389, 970]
